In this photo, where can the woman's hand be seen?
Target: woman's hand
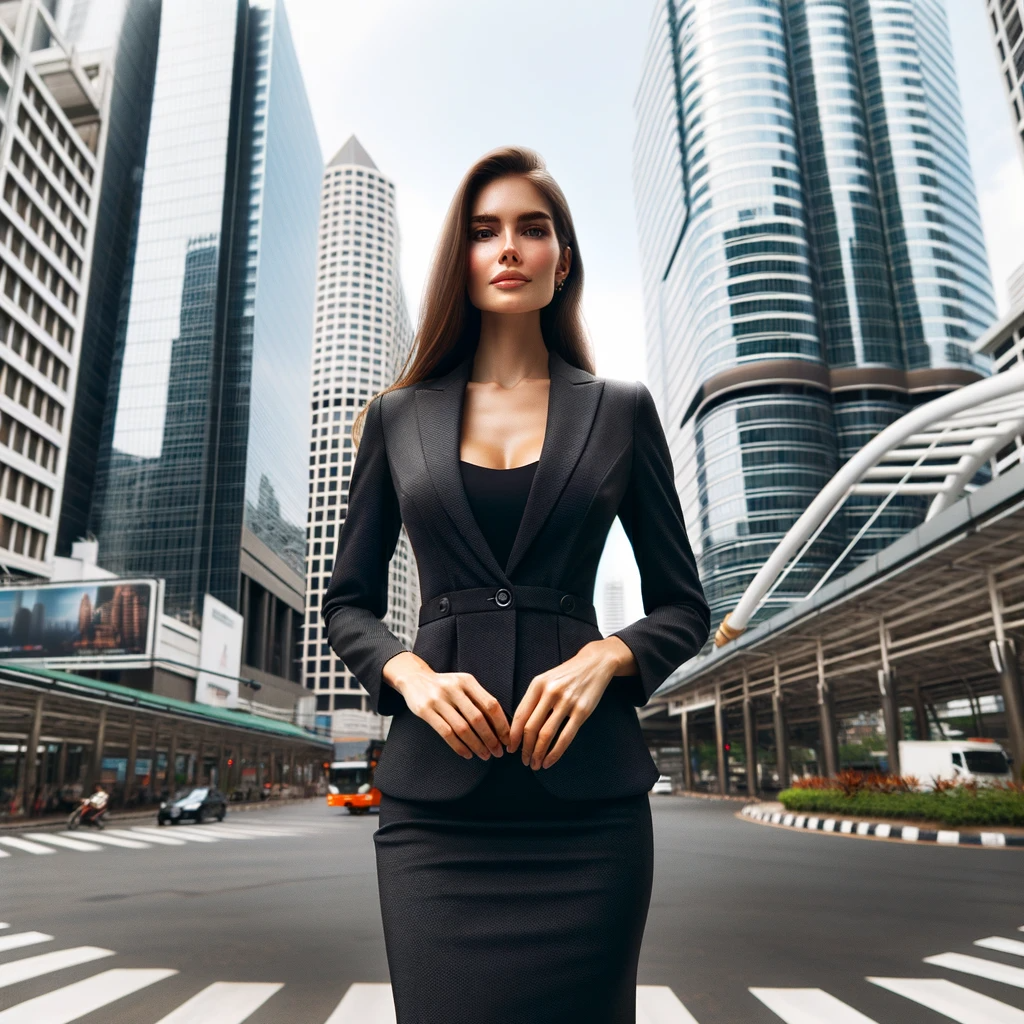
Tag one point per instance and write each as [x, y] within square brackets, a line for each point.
[454, 704]
[567, 693]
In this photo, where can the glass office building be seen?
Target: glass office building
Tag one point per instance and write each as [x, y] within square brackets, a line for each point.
[201, 474]
[813, 262]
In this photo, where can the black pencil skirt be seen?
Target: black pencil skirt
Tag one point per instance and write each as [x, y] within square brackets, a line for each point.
[510, 905]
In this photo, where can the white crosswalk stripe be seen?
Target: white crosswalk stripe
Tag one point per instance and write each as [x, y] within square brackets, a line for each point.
[952, 1000]
[979, 968]
[78, 845]
[658, 1004]
[46, 963]
[83, 997]
[151, 837]
[104, 840]
[808, 1006]
[364, 1002]
[25, 844]
[1001, 945]
[16, 940]
[185, 833]
[223, 1002]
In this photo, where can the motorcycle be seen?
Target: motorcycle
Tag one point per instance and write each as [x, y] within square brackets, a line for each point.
[87, 814]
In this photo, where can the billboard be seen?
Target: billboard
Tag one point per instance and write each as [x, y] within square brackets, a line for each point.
[108, 620]
[220, 654]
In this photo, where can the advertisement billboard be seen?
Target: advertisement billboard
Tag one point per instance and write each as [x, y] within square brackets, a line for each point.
[220, 654]
[108, 620]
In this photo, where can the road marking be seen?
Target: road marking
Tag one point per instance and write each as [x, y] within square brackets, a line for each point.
[19, 939]
[249, 831]
[658, 1004]
[223, 1002]
[364, 1003]
[979, 968]
[73, 1001]
[224, 833]
[184, 833]
[4, 853]
[953, 1001]
[1001, 945]
[803, 1006]
[46, 963]
[151, 837]
[128, 844]
[24, 844]
[69, 844]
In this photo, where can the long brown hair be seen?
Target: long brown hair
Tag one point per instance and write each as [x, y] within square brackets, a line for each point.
[449, 324]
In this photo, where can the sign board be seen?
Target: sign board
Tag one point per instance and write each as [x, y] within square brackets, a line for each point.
[220, 654]
[105, 622]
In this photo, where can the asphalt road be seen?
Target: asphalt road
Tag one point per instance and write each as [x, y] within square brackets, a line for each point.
[276, 919]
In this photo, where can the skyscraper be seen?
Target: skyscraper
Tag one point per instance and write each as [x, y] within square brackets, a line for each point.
[200, 476]
[62, 135]
[813, 261]
[361, 338]
[1006, 18]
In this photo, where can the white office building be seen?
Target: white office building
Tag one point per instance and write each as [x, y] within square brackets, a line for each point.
[361, 337]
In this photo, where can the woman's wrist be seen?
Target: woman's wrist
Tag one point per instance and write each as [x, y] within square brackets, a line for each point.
[616, 655]
[401, 667]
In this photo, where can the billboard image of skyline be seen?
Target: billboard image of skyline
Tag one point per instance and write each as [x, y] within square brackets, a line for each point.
[77, 620]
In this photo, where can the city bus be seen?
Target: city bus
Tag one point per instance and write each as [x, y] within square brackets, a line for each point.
[350, 783]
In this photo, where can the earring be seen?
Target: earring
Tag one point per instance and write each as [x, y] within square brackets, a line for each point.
[558, 287]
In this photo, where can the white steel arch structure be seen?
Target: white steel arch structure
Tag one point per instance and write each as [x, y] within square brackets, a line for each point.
[935, 449]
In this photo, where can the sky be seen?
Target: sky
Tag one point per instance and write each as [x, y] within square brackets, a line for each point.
[429, 88]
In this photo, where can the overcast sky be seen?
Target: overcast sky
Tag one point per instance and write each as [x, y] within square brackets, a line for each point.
[429, 88]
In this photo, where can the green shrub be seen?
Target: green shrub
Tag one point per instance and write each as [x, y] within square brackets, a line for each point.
[960, 806]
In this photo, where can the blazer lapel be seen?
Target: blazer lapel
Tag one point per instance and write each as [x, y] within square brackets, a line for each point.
[572, 404]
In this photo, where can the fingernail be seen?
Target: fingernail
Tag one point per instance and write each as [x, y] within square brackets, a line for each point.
[497, 753]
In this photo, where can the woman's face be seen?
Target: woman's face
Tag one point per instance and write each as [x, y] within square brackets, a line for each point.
[511, 233]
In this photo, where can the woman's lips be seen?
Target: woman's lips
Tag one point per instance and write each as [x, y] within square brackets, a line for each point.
[509, 282]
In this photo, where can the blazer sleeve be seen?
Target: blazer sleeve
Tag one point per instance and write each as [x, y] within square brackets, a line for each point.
[356, 600]
[677, 619]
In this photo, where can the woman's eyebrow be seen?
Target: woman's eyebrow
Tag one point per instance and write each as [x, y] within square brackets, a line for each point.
[490, 218]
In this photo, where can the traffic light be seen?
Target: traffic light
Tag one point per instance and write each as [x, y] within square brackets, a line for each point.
[727, 747]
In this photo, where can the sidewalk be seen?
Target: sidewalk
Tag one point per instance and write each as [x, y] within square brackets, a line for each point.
[59, 821]
[774, 813]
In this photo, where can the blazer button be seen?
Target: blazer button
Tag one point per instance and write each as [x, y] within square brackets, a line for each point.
[444, 604]
[568, 603]
[502, 598]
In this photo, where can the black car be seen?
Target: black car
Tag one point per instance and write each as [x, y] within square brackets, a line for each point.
[198, 805]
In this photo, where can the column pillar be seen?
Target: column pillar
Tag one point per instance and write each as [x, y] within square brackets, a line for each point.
[129, 772]
[264, 630]
[781, 731]
[723, 772]
[172, 760]
[684, 728]
[222, 764]
[890, 705]
[749, 737]
[826, 713]
[920, 716]
[1007, 664]
[62, 766]
[286, 644]
[96, 764]
[31, 773]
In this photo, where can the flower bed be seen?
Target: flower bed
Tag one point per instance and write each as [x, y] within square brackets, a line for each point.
[891, 796]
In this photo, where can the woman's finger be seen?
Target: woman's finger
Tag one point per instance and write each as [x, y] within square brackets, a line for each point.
[523, 712]
[447, 733]
[477, 721]
[490, 706]
[547, 733]
[534, 723]
[566, 737]
[463, 730]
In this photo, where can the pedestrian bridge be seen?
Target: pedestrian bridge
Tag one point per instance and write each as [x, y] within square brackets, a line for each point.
[936, 616]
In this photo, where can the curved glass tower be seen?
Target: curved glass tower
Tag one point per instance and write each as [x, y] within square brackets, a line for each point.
[813, 262]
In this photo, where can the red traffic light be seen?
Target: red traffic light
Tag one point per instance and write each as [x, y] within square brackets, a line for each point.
[231, 761]
[727, 746]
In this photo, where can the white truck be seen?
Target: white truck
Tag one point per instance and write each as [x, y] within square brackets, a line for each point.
[978, 760]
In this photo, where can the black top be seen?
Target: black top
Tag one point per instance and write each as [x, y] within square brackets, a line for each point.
[497, 498]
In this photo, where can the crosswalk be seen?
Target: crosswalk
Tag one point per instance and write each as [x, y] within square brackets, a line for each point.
[233, 1002]
[146, 837]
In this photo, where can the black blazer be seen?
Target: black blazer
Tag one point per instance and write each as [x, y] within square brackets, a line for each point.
[604, 454]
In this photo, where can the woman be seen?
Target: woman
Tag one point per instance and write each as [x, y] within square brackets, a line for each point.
[514, 850]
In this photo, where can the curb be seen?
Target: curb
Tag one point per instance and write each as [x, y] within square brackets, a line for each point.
[881, 830]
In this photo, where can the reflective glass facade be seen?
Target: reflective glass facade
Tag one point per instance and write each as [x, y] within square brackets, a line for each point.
[812, 257]
[203, 436]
